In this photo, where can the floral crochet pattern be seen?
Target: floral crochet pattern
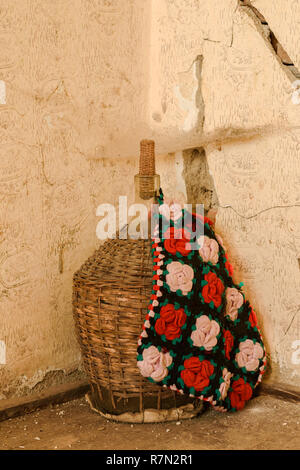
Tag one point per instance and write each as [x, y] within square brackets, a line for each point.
[213, 289]
[200, 336]
[249, 355]
[171, 211]
[209, 250]
[226, 376]
[228, 343]
[241, 392]
[155, 364]
[170, 322]
[180, 277]
[177, 240]
[252, 318]
[196, 373]
[234, 301]
[206, 333]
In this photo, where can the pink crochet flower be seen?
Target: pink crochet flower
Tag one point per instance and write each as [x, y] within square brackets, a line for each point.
[206, 333]
[226, 384]
[180, 277]
[209, 250]
[171, 210]
[154, 363]
[234, 300]
[249, 355]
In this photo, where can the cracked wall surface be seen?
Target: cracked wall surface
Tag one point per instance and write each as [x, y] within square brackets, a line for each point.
[249, 130]
[279, 14]
[199, 183]
[79, 88]
[257, 176]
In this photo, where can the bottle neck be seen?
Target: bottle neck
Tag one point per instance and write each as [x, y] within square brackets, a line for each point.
[146, 189]
[146, 194]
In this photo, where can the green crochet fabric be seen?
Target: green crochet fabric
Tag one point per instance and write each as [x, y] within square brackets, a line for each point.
[200, 336]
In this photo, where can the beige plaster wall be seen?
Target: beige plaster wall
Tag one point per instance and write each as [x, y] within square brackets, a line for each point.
[81, 81]
[75, 75]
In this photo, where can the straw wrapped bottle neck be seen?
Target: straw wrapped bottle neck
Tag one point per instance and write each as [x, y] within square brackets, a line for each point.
[147, 158]
[147, 182]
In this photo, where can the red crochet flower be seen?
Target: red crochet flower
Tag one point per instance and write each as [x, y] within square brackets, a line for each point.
[167, 313]
[213, 290]
[252, 318]
[196, 373]
[176, 241]
[228, 266]
[241, 393]
[228, 343]
[170, 322]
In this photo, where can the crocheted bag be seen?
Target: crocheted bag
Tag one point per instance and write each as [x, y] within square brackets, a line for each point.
[200, 336]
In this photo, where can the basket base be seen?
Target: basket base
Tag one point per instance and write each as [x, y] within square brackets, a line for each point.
[151, 415]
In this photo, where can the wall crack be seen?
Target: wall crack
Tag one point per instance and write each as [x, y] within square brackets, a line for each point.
[199, 96]
[260, 212]
[281, 54]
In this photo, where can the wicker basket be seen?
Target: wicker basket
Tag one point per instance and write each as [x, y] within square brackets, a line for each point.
[110, 297]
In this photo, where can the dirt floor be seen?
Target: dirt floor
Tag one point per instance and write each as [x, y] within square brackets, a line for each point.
[266, 423]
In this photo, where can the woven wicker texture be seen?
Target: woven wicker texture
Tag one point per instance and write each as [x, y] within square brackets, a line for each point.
[110, 297]
[147, 157]
[145, 180]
